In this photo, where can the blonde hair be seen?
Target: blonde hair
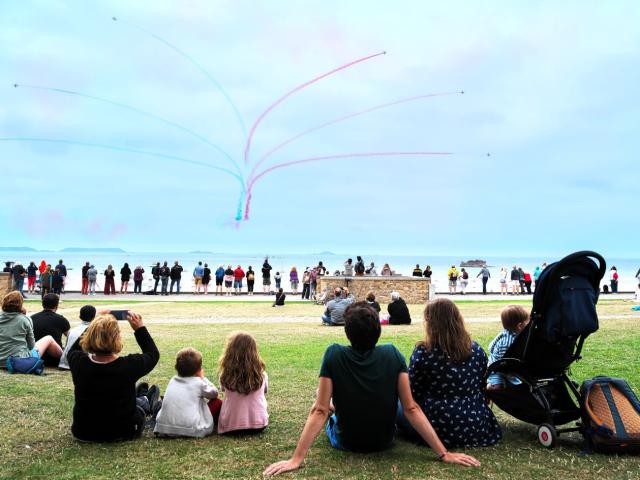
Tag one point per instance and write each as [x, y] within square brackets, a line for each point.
[445, 330]
[102, 336]
[188, 362]
[12, 302]
[241, 368]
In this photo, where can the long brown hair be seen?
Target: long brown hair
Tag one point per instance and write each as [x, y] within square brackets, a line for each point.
[444, 329]
[241, 368]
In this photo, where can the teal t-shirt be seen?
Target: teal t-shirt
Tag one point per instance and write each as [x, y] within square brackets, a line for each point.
[365, 394]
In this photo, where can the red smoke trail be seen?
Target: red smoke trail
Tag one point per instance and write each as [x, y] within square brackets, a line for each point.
[328, 157]
[341, 119]
[247, 147]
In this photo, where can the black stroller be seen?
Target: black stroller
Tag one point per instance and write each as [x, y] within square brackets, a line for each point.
[537, 388]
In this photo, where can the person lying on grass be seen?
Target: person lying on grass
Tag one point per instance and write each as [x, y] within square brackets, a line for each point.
[359, 383]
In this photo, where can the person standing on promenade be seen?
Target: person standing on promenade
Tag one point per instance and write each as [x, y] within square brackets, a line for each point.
[92, 277]
[219, 279]
[32, 275]
[198, 272]
[313, 282]
[321, 269]
[504, 288]
[266, 276]
[165, 273]
[228, 279]
[155, 273]
[527, 282]
[386, 270]
[417, 272]
[125, 277]
[45, 281]
[348, 268]
[371, 270]
[109, 281]
[206, 278]
[359, 268]
[452, 275]
[464, 280]
[306, 284]
[238, 275]
[278, 278]
[63, 273]
[85, 279]
[536, 274]
[614, 279]
[138, 277]
[485, 278]
[427, 272]
[251, 280]
[19, 273]
[293, 279]
[515, 281]
[176, 276]
[521, 279]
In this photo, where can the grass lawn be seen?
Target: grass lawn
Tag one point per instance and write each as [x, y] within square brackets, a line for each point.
[35, 440]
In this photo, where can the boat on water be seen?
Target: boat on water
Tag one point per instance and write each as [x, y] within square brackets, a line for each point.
[477, 263]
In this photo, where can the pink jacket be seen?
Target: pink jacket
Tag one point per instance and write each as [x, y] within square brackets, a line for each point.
[242, 412]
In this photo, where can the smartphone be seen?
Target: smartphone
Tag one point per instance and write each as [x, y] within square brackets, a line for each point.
[120, 314]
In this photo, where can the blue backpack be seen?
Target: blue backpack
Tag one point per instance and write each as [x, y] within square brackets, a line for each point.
[25, 365]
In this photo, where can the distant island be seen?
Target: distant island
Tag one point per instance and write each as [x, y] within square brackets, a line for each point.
[93, 250]
[202, 252]
[17, 249]
[324, 253]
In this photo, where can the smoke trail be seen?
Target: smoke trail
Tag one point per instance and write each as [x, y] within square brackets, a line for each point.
[140, 152]
[328, 157]
[197, 65]
[139, 112]
[247, 147]
[342, 119]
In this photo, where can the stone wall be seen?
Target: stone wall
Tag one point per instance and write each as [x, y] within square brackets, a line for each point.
[411, 289]
[5, 284]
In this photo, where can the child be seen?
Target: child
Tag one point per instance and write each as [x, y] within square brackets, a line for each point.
[278, 279]
[514, 319]
[87, 314]
[244, 382]
[185, 411]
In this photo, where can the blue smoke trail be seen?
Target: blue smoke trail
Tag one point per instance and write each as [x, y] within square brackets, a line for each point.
[140, 152]
[139, 112]
[197, 65]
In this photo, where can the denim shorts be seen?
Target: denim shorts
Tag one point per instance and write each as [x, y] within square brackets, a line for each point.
[35, 353]
[237, 284]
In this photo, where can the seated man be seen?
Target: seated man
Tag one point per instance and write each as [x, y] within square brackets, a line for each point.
[336, 307]
[48, 322]
[364, 381]
[87, 314]
[280, 296]
[398, 311]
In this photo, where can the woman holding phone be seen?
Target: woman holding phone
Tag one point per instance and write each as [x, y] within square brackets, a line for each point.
[108, 406]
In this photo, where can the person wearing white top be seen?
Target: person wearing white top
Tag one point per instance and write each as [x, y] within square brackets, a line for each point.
[185, 408]
[87, 313]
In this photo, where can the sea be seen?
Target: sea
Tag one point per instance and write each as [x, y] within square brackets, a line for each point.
[400, 264]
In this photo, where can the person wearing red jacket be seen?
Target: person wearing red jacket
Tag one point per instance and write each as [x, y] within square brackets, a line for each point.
[238, 275]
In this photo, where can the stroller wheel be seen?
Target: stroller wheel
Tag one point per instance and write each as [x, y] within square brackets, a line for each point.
[547, 435]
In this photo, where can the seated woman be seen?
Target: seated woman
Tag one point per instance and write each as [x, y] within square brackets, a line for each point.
[361, 384]
[108, 406]
[446, 373]
[16, 333]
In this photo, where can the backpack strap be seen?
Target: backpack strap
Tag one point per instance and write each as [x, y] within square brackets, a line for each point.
[621, 432]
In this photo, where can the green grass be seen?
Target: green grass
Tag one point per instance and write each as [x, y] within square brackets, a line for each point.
[35, 441]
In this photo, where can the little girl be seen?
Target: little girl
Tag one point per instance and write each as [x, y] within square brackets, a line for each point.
[244, 383]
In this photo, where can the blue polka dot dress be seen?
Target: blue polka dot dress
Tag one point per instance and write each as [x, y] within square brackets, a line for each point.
[452, 397]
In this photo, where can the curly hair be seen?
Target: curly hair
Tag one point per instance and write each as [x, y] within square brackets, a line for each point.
[445, 330]
[241, 368]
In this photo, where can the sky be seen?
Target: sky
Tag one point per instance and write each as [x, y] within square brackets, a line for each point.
[541, 149]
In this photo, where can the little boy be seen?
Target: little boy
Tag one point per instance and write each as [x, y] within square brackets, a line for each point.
[514, 318]
[190, 401]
